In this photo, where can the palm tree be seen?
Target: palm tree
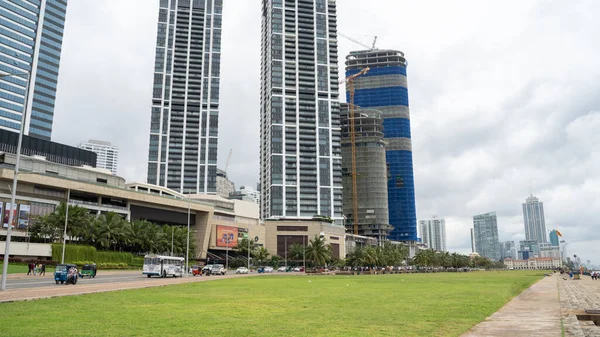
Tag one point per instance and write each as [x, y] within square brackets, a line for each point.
[261, 255]
[296, 252]
[318, 252]
[110, 229]
[242, 246]
[356, 258]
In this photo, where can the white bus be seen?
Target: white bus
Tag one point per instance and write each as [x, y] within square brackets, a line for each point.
[163, 266]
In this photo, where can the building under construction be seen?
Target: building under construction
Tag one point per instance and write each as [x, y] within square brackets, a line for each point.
[371, 173]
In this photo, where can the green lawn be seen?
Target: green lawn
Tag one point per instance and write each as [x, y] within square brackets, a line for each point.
[22, 269]
[443, 304]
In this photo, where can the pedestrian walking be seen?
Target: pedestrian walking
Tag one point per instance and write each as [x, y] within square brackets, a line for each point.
[43, 271]
[34, 269]
[29, 269]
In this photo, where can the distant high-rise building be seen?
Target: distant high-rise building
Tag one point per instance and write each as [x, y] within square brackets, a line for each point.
[300, 154]
[371, 180]
[554, 238]
[533, 217]
[508, 249]
[384, 88]
[246, 193]
[433, 233]
[185, 101]
[107, 154]
[485, 228]
[224, 186]
[31, 34]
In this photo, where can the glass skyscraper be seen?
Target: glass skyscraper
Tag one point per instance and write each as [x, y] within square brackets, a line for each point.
[533, 218]
[485, 232]
[384, 88]
[300, 153]
[31, 33]
[185, 99]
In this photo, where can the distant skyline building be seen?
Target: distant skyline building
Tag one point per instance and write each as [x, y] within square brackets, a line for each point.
[31, 34]
[107, 154]
[371, 181]
[300, 154]
[184, 123]
[433, 233]
[224, 186]
[533, 218]
[246, 193]
[508, 249]
[384, 88]
[485, 228]
[554, 238]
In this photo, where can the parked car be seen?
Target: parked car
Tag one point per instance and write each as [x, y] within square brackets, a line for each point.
[218, 269]
[261, 270]
[298, 269]
[281, 269]
[268, 269]
[242, 270]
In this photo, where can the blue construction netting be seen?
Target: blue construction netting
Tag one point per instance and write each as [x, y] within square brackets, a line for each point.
[396, 128]
[401, 196]
[385, 96]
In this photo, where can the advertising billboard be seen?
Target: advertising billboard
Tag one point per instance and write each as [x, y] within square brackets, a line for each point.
[24, 211]
[227, 236]
[6, 214]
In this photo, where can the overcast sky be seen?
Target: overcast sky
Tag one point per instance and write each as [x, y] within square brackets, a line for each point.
[504, 99]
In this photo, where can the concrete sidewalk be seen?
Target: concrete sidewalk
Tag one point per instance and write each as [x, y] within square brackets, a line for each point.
[534, 312]
[26, 294]
[50, 275]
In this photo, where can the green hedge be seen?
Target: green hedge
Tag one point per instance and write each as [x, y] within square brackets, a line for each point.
[87, 254]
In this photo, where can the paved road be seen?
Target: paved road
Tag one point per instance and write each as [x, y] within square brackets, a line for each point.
[46, 281]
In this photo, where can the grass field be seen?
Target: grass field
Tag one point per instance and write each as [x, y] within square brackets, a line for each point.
[443, 304]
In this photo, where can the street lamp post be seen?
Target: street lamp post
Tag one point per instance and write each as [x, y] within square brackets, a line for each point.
[14, 187]
[62, 259]
[304, 252]
[187, 248]
[287, 237]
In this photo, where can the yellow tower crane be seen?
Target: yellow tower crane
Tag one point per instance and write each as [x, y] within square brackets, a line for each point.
[350, 86]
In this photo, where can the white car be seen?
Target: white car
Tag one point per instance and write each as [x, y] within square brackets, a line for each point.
[218, 269]
[242, 270]
[281, 269]
[268, 269]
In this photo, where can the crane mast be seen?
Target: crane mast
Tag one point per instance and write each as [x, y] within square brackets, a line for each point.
[350, 86]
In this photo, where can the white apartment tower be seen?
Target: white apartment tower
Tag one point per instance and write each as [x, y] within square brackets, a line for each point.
[300, 153]
[433, 233]
[107, 154]
[184, 118]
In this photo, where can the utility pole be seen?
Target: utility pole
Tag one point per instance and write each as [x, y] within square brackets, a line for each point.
[62, 260]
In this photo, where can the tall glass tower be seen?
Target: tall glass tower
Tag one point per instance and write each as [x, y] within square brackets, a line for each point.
[485, 228]
[31, 33]
[300, 155]
[384, 88]
[185, 99]
[533, 219]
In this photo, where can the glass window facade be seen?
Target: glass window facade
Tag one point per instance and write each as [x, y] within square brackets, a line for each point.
[31, 34]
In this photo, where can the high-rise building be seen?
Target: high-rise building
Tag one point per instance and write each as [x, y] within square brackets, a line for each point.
[107, 154]
[224, 186]
[485, 228]
[433, 233]
[246, 193]
[185, 101]
[300, 155]
[31, 34]
[371, 180]
[533, 217]
[508, 249]
[384, 88]
[554, 238]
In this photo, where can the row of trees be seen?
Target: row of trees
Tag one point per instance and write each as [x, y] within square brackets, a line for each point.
[110, 231]
[431, 258]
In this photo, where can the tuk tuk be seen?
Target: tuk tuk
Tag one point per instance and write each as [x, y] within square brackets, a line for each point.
[61, 271]
[88, 270]
[196, 270]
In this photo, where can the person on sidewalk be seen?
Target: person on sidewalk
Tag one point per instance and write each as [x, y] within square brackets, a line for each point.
[43, 270]
[29, 269]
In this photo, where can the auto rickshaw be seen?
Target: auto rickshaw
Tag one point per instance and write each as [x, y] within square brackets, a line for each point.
[88, 270]
[61, 271]
[196, 270]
